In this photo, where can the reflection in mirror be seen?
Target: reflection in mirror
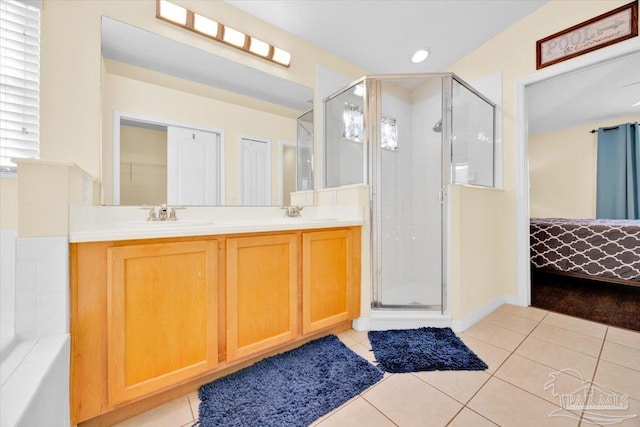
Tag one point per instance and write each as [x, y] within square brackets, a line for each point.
[288, 172]
[305, 152]
[142, 79]
[143, 163]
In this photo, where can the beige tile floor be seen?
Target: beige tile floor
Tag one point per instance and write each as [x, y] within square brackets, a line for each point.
[522, 347]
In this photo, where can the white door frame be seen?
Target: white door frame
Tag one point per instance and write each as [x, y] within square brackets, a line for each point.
[240, 166]
[523, 268]
[118, 115]
[281, 169]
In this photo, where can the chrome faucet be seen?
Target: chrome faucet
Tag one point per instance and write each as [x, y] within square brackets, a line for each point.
[164, 213]
[292, 211]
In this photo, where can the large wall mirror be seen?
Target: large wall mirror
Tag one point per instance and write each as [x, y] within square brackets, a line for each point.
[186, 127]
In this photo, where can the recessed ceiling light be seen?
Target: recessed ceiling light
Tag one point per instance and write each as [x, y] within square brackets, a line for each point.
[420, 56]
[637, 104]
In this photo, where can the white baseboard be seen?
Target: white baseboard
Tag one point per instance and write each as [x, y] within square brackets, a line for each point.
[459, 325]
[399, 319]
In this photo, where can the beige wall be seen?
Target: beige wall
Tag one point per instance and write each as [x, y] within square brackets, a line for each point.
[475, 272]
[562, 171]
[513, 53]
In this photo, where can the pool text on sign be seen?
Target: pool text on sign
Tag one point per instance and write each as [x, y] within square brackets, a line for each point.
[609, 28]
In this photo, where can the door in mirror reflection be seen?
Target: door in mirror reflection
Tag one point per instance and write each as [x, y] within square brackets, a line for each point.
[255, 173]
[193, 167]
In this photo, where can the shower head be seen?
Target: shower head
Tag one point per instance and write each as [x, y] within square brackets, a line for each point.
[438, 126]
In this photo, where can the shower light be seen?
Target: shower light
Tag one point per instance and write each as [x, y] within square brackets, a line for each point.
[233, 37]
[172, 12]
[420, 56]
[205, 25]
[189, 20]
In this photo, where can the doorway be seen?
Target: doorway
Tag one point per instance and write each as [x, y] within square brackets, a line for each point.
[523, 201]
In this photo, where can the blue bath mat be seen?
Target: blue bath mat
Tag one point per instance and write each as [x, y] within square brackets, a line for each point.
[290, 389]
[423, 349]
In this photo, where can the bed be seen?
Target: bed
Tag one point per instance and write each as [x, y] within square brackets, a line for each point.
[599, 249]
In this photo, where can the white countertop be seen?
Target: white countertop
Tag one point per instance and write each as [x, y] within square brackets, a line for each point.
[108, 223]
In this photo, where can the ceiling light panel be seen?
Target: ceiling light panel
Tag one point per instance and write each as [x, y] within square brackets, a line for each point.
[234, 37]
[259, 47]
[173, 12]
[205, 25]
[281, 56]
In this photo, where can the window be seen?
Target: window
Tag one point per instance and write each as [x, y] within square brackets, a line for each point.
[353, 127]
[19, 82]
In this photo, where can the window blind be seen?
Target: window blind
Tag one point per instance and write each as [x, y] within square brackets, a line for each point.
[19, 82]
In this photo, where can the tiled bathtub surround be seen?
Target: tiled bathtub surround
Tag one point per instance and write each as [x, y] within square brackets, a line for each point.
[35, 370]
[522, 346]
[7, 289]
[42, 286]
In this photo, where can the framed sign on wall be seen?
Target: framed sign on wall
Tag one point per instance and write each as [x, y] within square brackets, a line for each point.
[604, 30]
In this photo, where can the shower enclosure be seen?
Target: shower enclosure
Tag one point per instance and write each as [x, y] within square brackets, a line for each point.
[409, 137]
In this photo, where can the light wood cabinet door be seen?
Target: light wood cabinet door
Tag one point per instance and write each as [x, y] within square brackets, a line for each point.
[330, 278]
[261, 291]
[161, 316]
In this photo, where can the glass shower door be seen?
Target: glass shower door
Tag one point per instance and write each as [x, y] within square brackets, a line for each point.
[407, 175]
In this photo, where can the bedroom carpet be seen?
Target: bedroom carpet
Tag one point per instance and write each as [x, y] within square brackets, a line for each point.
[423, 349]
[612, 304]
[291, 389]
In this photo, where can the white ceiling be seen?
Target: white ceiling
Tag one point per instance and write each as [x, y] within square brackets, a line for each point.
[593, 94]
[381, 36]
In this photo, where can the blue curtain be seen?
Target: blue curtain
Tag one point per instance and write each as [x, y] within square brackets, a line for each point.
[618, 175]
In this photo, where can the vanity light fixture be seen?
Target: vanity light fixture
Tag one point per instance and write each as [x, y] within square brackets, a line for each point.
[189, 20]
[420, 56]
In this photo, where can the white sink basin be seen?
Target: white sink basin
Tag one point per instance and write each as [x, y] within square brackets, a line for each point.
[146, 225]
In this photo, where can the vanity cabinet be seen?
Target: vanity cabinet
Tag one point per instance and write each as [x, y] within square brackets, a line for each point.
[262, 293]
[153, 318]
[330, 265]
[161, 315]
